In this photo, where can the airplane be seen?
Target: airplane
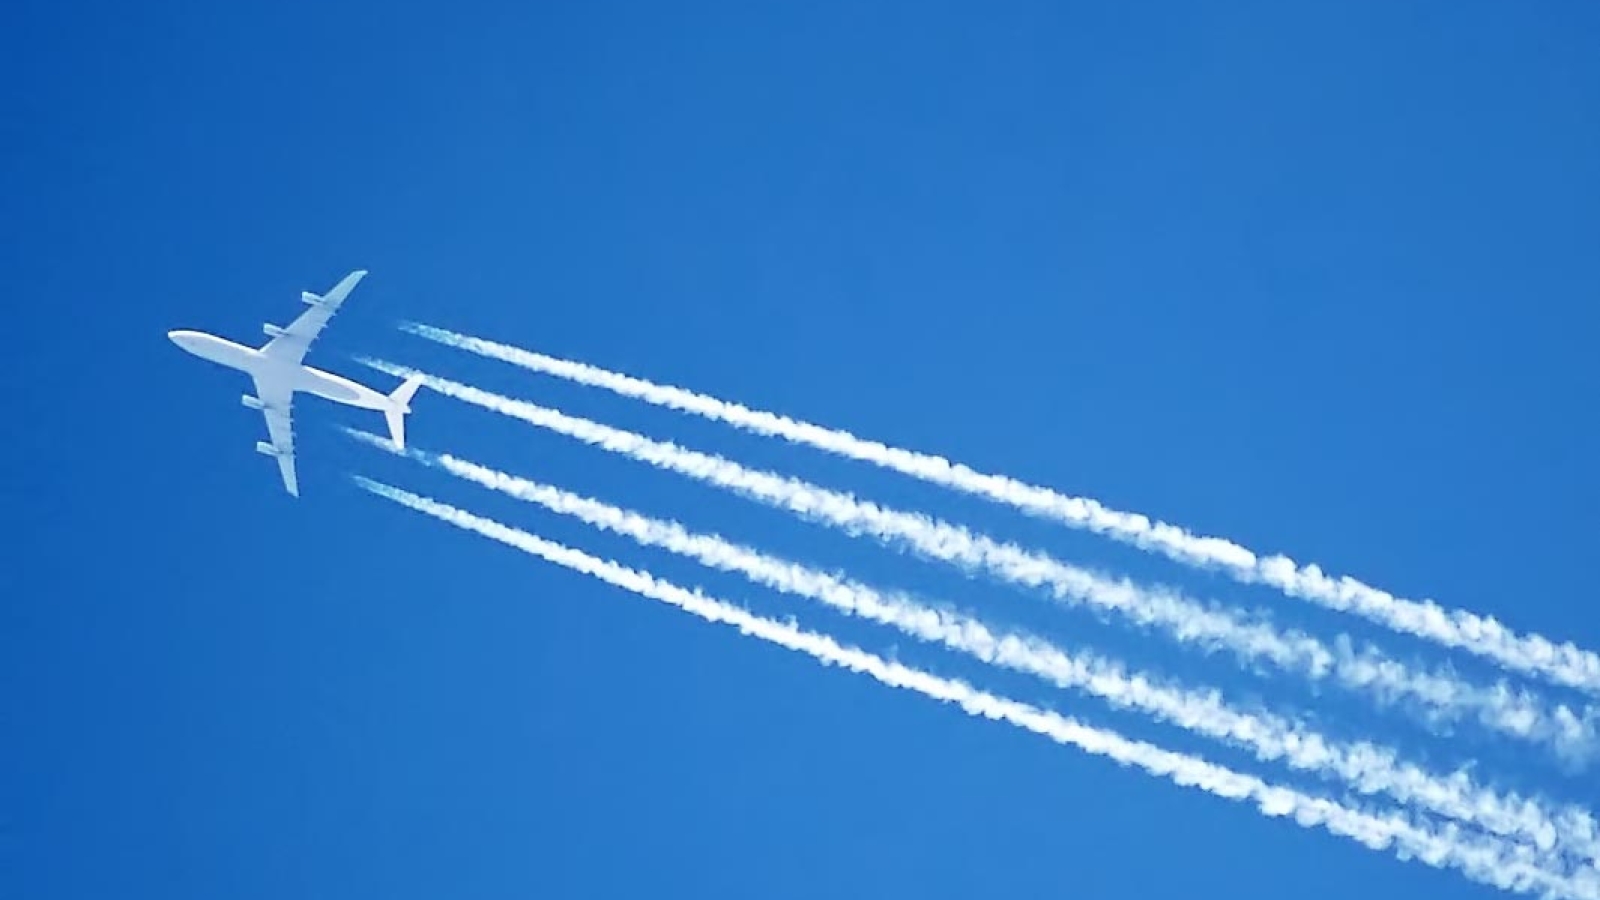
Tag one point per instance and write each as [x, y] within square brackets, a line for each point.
[279, 374]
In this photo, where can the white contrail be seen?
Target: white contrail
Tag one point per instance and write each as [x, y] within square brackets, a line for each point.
[1533, 654]
[1489, 861]
[1367, 767]
[1442, 695]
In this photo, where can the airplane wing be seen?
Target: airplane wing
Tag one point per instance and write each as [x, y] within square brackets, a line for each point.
[290, 344]
[276, 401]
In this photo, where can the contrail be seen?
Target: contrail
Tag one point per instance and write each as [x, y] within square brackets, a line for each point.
[1367, 767]
[1485, 861]
[1532, 654]
[1442, 695]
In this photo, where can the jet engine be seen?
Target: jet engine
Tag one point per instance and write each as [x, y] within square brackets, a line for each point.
[271, 330]
[310, 299]
[266, 449]
[252, 402]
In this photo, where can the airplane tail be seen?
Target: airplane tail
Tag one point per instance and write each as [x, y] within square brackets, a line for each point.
[395, 415]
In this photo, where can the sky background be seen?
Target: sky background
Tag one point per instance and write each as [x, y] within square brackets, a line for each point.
[1320, 279]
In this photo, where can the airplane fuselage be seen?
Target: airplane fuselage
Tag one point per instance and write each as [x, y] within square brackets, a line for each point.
[301, 378]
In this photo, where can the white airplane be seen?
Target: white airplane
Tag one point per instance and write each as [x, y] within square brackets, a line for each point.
[279, 374]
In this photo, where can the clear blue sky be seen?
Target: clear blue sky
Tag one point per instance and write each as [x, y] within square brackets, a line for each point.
[1322, 280]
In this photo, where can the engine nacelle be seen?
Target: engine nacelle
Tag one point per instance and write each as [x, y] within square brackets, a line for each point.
[252, 402]
[266, 449]
[271, 330]
[310, 299]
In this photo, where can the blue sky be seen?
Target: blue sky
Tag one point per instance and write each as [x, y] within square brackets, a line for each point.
[1321, 280]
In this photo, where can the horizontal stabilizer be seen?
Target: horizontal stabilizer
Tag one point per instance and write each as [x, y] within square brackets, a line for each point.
[395, 415]
[401, 396]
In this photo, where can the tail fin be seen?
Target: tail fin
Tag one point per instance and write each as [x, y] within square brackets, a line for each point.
[395, 415]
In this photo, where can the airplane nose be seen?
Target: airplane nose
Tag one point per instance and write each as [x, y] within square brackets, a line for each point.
[184, 339]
